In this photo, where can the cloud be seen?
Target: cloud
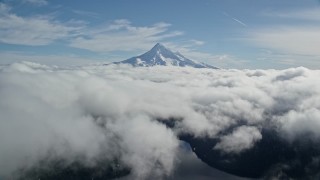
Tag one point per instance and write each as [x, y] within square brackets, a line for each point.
[289, 39]
[4, 9]
[122, 35]
[284, 59]
[197, 42]
[189, 50]
[36, 2]
[302, 122]
[235, 19]
[240, 22]
[73, 131]
[86, 13]
[42, 30]
[10, 57]
[81, 114]
[310, 14]
[244, 137]
[191, 167]
[34, 30]
[151, 147]
[114, 37]
[296, 37]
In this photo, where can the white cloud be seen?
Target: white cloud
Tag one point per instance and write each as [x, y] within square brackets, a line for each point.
[118, 35]
[35, 30]
[300, 123]
[122, 35]
[158, 157]
[116, 109]
[241, 139]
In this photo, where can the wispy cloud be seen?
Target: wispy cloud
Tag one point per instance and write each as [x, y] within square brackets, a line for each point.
[284, 59]
[309, 14]
[235, 19]
[119, 35]
[122, 35]
[86, 13]
[240, 22]
[9, 57]
[289, 39]
[35, 30]
[189, 49]
[4, 9]
[197, 42]
[292, 44]
[37, 2]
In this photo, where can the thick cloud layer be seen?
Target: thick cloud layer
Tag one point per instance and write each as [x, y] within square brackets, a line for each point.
[83, 113]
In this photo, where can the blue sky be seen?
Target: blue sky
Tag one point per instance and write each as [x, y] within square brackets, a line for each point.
[224, 33]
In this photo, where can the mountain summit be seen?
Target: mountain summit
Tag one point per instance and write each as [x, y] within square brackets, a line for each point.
[161, 56]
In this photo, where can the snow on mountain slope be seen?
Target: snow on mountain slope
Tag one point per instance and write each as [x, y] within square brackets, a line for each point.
[160, 55]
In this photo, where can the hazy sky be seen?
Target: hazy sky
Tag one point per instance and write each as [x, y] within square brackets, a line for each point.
[224, 33]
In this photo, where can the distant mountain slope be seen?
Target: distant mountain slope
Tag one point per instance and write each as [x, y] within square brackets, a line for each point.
[160, 55]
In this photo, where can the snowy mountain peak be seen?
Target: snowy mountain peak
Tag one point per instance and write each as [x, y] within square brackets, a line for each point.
[159, 46]
[160, 55]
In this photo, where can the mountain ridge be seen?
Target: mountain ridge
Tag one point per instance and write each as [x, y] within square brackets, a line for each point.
[159, 55]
